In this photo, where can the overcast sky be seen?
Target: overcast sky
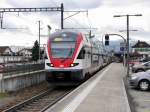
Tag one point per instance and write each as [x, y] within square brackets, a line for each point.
[100, 15]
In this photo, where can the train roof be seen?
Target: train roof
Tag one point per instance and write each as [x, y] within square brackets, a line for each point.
[66, 31]
[83, 32]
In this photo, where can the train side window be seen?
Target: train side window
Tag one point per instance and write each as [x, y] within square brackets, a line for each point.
[81, 54]
[89, 54]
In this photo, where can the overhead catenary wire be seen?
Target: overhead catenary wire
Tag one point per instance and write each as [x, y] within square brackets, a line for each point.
[90, 26]
[80, 26]
[73, 19]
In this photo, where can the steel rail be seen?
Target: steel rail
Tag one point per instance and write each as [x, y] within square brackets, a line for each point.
[30, 102]
[22, 104]
[54, 102]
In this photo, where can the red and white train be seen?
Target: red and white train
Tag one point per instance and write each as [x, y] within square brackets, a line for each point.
[72, 57]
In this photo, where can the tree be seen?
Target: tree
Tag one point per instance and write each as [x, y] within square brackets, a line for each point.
[35, 51]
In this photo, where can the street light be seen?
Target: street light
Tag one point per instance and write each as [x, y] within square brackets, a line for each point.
[126, 30]
[49, 29]
[127, 15]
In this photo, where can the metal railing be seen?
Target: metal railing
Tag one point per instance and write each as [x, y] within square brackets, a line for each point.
[10, 69]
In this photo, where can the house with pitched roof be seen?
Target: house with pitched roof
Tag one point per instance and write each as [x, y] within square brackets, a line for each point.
[26, 52]
[5, 51]
[141, 47]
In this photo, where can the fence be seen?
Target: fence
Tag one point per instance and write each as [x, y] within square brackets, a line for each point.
[6, 59]
[10, 69]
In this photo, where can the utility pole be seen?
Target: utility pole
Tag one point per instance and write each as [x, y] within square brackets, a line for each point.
[1, 19]
[128, 51]
[128, 56]
[62, 16]
[39, 37]
[90, 34]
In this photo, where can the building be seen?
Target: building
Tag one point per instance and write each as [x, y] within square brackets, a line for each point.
[141, 47]
[26, 52]
[16, 49]
[5, 51]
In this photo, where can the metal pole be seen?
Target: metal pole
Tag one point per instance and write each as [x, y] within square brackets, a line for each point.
[39, 39]
[128, 57]
[1, 19]
[90, 34]
[124, 54]
[62, 16]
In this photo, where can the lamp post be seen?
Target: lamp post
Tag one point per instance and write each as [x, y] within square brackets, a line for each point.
[127, 16]
[126, 30]
[49, 29]
[39, 37]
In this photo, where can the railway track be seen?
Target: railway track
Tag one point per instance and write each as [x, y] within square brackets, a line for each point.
[40, 102]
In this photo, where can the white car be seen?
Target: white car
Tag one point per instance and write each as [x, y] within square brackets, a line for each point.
[141, 80]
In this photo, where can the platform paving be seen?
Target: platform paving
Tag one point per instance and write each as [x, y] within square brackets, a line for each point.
[104, 93]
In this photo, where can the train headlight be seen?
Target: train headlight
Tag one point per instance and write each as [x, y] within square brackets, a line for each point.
[72, 65]
[51, 65]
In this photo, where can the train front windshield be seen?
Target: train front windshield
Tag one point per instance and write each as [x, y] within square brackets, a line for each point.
[62, 46]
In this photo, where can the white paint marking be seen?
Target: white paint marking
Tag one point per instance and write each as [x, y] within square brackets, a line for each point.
[126, 98]
[71, 107]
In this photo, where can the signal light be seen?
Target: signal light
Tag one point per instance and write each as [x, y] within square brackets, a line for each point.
[106, 39]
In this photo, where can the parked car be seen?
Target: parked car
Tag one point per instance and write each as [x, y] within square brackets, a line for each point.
[133, 62]
[140, 80]
[145, 59]
[141, 67]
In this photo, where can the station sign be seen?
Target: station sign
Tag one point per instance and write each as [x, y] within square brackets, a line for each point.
[122, 46]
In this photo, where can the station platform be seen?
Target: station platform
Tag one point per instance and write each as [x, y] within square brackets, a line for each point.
[104, 92]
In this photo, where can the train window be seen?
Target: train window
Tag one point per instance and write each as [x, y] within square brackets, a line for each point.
[81, 54]
[62, 49]
[65, 36]
[89, 54]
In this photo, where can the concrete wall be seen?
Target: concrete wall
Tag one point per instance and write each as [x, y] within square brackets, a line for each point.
[15, 82]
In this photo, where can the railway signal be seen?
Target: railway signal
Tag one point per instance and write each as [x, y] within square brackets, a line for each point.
[106, 40]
